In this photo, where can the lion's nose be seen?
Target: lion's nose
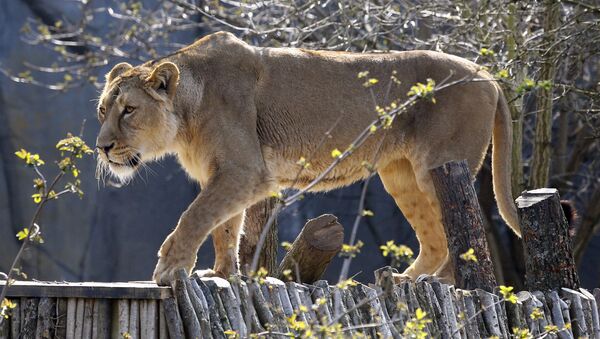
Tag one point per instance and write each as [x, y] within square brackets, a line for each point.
[106, 148]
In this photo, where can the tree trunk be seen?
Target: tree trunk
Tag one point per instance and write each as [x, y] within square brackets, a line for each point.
[256, 218]
[540, 168]
[318, 242]
[461, 216]
[513, 40]
[548, 253]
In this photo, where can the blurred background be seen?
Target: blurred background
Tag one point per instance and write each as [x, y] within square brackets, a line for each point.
[54, 54]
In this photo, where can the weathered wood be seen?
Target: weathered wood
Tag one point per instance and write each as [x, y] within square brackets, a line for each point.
[318, 242]
[557, 306]
[137, 290]
[101, 323]
[204, 310]
[230, 303]
[255, 218]
[199, 309]
[143, 319]
[134, 318]
[514, 313]
[152, 319]
[340, 311]
[385, 315]
[461, 216]
[4, 328]
[163, 332]
[46, 314]
[173, 319]
[547, 245]
[593, 311]
[15, 319]
[123, 313]
[242, 293]
[473, 319]
[215, 319]
[88, 306]
[262, 307]
[442, 293]
[191, 325]
[543, 305]
[29, 317]
[579, 325]
[221, 313]
[79, 316]
[71, 315]
[323, 312]
[60, 330]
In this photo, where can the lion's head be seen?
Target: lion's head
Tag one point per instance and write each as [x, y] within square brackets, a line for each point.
[135, 110]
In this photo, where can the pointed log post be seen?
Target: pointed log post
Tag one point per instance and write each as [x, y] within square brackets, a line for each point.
[461, 216]
[318, 242]
[549, 259]
[255, 219]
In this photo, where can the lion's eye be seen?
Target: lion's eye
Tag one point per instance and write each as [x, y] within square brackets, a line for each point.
[102, 111]
[128, 109]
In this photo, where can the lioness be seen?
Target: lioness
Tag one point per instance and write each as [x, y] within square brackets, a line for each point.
[240, 117]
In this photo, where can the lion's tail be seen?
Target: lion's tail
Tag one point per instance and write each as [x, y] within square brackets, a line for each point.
[501, 163]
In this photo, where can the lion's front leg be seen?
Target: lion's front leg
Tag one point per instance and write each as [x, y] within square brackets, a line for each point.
[223, 199]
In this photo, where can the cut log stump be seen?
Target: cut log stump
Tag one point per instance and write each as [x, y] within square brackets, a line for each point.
[547, 245]
[319, 241]
[461, 216]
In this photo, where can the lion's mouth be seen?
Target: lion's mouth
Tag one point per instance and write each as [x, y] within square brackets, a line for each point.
[129, 162]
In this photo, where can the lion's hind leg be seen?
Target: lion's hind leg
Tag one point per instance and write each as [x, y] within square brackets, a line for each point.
[226, 238]
[422, 210]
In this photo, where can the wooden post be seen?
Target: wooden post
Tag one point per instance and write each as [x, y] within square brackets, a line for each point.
[319, 241]
[256, 218]
[549, 259]
[461, 216]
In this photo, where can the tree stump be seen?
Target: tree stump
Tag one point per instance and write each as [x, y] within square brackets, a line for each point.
[256, 218]
[548, 250]
[318, 242]
[461, 216]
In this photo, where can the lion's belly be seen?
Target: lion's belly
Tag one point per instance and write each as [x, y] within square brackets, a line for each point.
[288, 173]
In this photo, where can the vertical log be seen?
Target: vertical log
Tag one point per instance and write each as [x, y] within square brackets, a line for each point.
[123, 312]
[60, 331]
[191, 325]
[173, 319]
[101, 319]
[79, 318]
[15, 320]
[318, 242]
[548, 253]
[152, 317]
[540, 166]
[4, 328]
[143, 319]
[134, 319]
[29, 317]
[461, 216]
[71, 315]
[46, 318]
[163, 332]
[256, 217]
[88, 307]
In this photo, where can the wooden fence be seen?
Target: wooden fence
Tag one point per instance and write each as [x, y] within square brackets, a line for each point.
[215, 308]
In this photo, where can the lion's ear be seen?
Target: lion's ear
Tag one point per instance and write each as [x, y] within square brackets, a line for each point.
[164, 77]
[117, 70]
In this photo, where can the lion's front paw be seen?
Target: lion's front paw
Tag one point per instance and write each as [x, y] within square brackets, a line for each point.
[171, 258]
[401, 277]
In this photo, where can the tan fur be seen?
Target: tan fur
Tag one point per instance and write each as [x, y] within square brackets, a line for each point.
[239, 117]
